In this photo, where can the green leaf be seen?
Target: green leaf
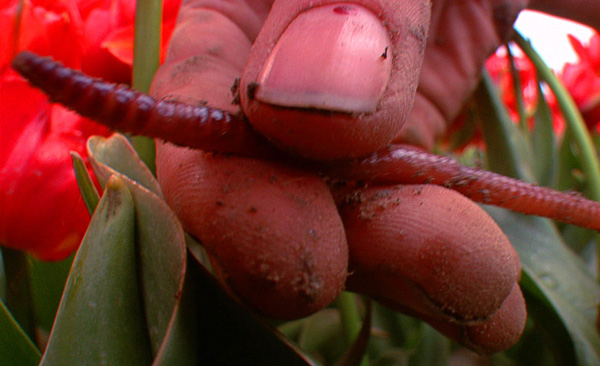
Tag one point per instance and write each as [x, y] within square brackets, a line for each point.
[557, 276]
[88, 190]
[321, 335]
[47, 284]
[518, 91]
[543, 142]
[19, 298]
[162, 255]
[567, 165]
[100, 320]
[501, 134]
[160, 238]
[560, 277]
[16, 349]
[546, 340]
[115, 154]
[180, 345]
[355, 355]
[158, 231]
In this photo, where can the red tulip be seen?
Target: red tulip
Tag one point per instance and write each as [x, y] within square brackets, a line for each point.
[41, 210]
[582, 79]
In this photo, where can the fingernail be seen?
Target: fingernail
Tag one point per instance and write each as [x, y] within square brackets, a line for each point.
[334, 57]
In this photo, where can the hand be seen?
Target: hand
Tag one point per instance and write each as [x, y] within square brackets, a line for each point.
[273, 231]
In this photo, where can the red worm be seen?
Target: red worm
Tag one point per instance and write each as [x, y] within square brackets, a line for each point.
[121, 108]
[410, 165]
[201, 127]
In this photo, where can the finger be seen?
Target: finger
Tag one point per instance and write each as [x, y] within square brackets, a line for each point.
[583, 11]
[272, 232]
[331, 79]
[207, 52]
[428, 249]
[463, 34]
[500, 332]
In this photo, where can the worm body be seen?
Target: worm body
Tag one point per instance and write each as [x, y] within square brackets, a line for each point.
[205, 128]
[408, 165]
[121, 108]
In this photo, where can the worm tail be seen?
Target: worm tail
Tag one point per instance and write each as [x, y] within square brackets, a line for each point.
[408, 165]
[122, 108]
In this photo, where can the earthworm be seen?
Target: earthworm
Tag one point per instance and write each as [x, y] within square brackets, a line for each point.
[403, 164]
[201, 127]
[121, 108]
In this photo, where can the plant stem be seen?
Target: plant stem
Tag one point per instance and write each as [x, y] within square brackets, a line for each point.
[146, 43]
[351, 322]
[146, 59]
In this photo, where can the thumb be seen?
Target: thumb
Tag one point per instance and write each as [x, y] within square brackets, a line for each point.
[330, 80]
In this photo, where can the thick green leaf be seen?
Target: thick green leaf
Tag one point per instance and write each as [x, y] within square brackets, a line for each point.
[100, 320]
[16, 349]
[117, 153]
[180, 345]
[567, 165]
[160, 238]
[47, 284]
[557, 276]
[546, 340]
[162, 266]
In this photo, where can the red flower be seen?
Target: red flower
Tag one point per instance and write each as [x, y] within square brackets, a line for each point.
[463, 131]
[499, 68]
[582, 79]
[41, 210]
